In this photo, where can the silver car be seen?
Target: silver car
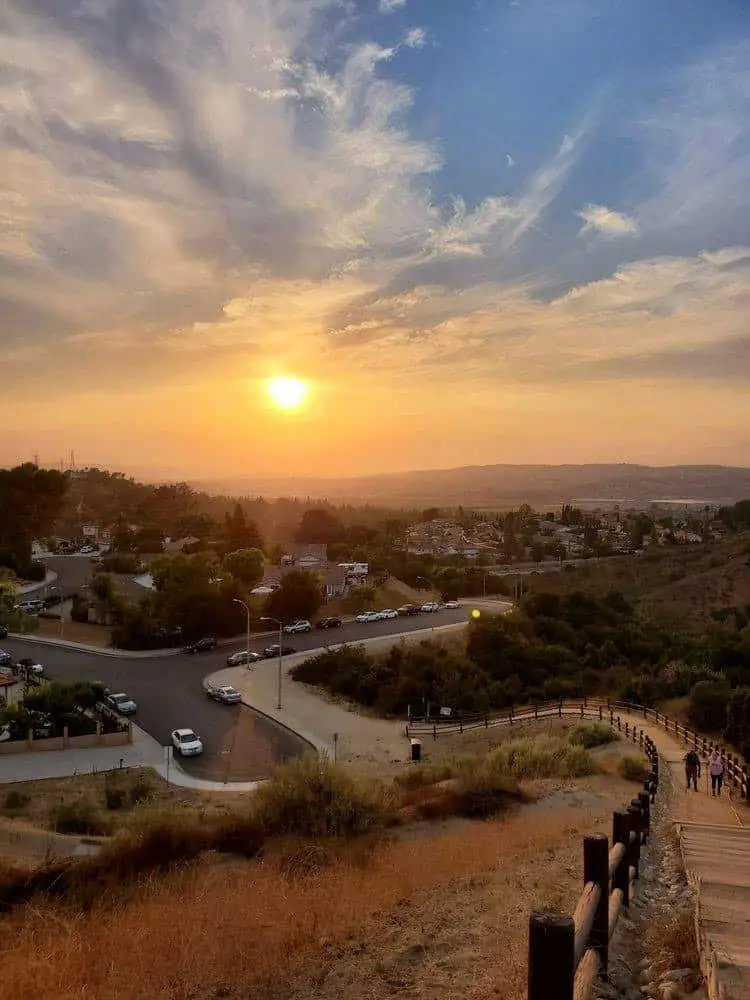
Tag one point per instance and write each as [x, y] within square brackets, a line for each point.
[242, 657]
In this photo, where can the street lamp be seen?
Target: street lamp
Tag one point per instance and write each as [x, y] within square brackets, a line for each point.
[236, 600]
[277, 621]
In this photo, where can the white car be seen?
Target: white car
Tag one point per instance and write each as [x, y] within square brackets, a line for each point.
[451, 605]
[389, 613]
[226, 694]
[122, 703]
[87, 550]
[367, 616]
[243, 656]
[301, 625]
[430, 607]
[186, 743]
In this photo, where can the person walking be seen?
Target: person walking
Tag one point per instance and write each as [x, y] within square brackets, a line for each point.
[692, 769]
[716, 770]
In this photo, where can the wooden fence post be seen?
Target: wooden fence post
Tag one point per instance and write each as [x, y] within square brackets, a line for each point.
[645, 800]
[745, 790]
[600, 713]
[596, 869]
[620, 835]
[551, 956]
[634, 854]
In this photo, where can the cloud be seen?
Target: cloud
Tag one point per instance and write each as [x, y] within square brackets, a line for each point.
[509, 161]
[387, 6]
[599, 219]
[416, 38]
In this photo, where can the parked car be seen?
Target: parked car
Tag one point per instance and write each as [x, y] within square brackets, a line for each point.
[388, 613]
[87, 550]
[408, 609]
[30, 666]
[275, 650]
[226, 694]
[242, 657]
[301, 625]
[367, 616]
[329, 623]
[122, 703]
[5, 658]
[3, 632]
[186, 743]
[430, 607]
[202, 645]
[452, 605]
[30, 607]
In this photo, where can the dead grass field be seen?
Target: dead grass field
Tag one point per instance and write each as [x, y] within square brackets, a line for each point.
[443, 917]
[91, 635]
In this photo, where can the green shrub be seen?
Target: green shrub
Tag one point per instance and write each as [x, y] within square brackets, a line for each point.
[634, 769]
[114, 798]
[544, 758]
[708, 705]
[309, 796]
[79, 817]
[588, 735]
[15, 800]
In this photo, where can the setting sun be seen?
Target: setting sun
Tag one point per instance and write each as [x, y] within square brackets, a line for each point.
[287, 393]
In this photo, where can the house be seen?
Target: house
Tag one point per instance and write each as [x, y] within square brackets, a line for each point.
[179, 544]
[313, 558]
[335, 582]
[355, 569]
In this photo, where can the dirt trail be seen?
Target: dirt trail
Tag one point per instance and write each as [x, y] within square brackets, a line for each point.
[30, 845]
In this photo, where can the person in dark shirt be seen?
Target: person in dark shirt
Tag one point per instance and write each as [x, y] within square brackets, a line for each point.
[692, 769]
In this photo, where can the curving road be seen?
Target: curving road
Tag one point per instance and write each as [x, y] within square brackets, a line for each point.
[240, 744]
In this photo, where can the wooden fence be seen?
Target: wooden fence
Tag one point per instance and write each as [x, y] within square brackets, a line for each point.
[568, 951]
[735, 768]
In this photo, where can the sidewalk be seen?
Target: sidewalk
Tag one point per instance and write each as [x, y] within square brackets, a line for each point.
[368, 742]
[144, 751]
[29, 588]
[131, 654]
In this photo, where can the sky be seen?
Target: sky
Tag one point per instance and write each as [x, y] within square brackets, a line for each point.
[480, 230]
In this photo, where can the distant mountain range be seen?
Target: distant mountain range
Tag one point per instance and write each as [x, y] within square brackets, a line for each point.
[499, 486]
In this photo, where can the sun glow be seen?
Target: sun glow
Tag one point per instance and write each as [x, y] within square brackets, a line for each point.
[287, 393]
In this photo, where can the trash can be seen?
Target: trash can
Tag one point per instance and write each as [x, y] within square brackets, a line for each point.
[416, 750]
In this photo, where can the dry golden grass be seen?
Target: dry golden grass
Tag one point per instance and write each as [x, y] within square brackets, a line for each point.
[673, 942]
[87, 634]
[450, 912]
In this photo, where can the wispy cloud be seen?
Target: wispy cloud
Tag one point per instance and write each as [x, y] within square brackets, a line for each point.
[386, 6]
[600, 219]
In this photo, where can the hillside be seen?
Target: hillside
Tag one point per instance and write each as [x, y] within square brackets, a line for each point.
[685, 583]
[509, 485]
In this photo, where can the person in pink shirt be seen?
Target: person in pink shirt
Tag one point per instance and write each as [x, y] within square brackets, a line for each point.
[716, 770]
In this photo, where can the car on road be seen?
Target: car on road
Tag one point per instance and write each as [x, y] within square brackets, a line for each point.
[225, 693]
[5, 658]
[366, 617]
[275, 650]
[31, 607]
[301, 625]
[329, 623]
[451, 605]
[430, 607]
[202, 645]
[242, 657]
[407, 609]
[388, 613]
[122, 703]
[3, 632]
[30, 666]
[186, 743]
[87, 550]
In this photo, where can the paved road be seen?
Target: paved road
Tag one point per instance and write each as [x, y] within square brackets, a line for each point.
[170, 694]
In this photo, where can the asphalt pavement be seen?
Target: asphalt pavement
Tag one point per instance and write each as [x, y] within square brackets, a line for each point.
[170, 695]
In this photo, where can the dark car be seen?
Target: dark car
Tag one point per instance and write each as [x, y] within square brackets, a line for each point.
[202, 645]
[270, 651]
[3, 632]
[330, 623]
[408, 609]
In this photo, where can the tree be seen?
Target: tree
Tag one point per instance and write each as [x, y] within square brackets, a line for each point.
[102, 589]
[31, 500]
[245, 565]
[299, 596]
[707, 709]
[148, 539]
[121, 539]
[319, 527]
[240, 532]
[738, 721]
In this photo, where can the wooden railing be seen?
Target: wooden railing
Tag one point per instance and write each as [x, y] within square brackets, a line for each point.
[735, 768]
[568, 951]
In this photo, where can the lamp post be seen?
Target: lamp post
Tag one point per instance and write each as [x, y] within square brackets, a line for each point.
[236, 600]
[277, 621]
